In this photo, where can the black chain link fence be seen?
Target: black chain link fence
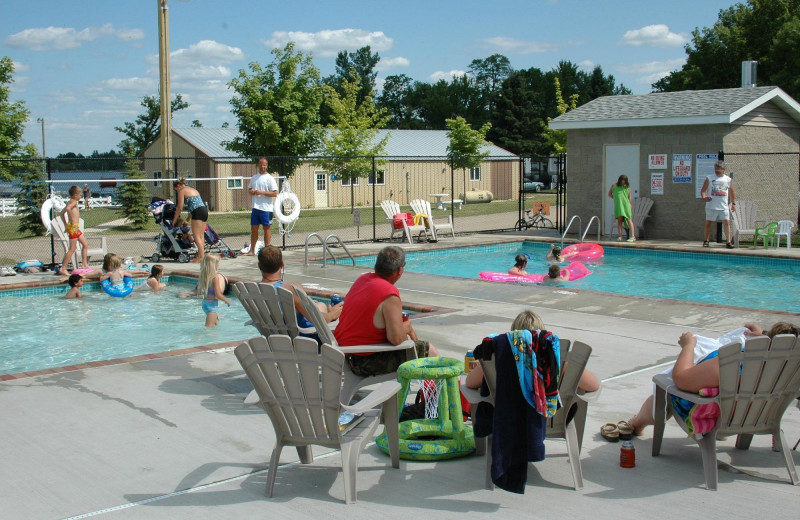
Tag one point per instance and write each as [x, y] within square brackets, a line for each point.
[490, 198]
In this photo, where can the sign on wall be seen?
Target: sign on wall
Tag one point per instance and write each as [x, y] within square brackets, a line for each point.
[705, 169]
[682, 168]
[656, 183]
[658, 161]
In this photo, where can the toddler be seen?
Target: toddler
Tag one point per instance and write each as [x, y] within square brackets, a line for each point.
[75, 281]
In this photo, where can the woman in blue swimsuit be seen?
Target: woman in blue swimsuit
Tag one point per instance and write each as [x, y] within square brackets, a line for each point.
[197, 209]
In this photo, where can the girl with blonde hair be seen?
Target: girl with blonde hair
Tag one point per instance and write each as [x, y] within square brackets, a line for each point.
[211, 286]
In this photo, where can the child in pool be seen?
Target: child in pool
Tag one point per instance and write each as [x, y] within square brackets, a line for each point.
[554, 274]
[519, 267]
[154, 283]
[75, 281]
[112, 270]
[554, 254]
[211, 286]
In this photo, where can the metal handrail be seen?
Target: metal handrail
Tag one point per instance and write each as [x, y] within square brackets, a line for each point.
[594, 217]
[566, 230]
[322, 243]
[340, 244]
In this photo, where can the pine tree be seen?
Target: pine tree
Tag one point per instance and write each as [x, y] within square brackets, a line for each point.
[133, 195]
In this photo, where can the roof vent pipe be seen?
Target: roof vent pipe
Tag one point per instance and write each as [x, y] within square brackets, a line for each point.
[749, 74]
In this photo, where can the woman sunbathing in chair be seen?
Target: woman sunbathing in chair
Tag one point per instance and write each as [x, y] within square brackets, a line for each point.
[697, 366]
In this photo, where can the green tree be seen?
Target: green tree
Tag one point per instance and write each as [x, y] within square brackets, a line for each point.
[523, 106]
[13, 117]
[133, 195]
[557, 139]
[767, 31]
[352, 140]
[196, 123]
[277, 108]
[489, 74]
[445, 100]
[397, 98]
[465, 148]
[147, 127]
[31, 195]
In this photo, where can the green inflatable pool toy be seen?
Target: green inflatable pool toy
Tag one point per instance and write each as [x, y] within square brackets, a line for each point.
[433, 439]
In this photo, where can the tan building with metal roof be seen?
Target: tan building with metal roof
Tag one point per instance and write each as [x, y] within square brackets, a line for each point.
[415, 167]
[641, 135]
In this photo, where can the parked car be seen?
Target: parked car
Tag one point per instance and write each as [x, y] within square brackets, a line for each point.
[533, 186]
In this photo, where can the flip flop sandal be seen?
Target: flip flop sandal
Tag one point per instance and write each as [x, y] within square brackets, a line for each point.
[705, 243]
[610, 432]
[625, 427]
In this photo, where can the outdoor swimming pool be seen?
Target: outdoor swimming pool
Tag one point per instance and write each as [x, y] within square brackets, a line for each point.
[46, 330]
[721, 279]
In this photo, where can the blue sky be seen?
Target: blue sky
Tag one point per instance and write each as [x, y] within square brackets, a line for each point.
[84, 65]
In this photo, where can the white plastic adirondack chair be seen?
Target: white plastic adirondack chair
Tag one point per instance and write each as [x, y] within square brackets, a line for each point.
[392, 208]
[561, 425]
[299, 387]
[352, 382]
[60, 234]
[756, 386]
[784, 229]
[640, 211]
[743, 220]
[271, 308]
[421, 206]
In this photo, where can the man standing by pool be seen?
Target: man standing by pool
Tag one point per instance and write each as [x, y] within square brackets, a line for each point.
[717, 192]
[263, 189]
[373, 313]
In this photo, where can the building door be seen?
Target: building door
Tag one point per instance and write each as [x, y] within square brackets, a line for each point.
[321, 190]
[618, 160]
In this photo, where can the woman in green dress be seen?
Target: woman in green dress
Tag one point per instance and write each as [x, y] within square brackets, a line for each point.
[621, 193]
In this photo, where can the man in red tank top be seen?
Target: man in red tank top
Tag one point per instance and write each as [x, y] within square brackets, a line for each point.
[373, 313]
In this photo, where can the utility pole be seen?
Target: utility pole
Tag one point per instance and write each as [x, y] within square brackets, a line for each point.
[164, 83]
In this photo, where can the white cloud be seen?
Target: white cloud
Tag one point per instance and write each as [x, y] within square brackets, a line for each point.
[657, 35]
[329, 43]
[63, 38]
[447, 76]
[507, 45]
[20, 67]
[587, 65]
[650, 67]
[393, 63]
[205, 51]
[134, 84]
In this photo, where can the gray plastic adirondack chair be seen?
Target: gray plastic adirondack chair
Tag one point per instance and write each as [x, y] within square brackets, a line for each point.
[743, 220]
[424, 207]
[392, 208]
[756, 386]
[299, 387]
[59, 232]
[558, 426]
[352, 382]
[265, 304]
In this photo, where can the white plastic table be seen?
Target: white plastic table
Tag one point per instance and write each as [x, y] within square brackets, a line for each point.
[439, 197]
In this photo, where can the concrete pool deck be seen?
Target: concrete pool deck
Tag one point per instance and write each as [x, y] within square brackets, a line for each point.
[169, 437]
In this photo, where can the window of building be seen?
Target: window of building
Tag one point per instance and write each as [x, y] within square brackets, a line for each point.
[157, 175]
[346, 182]
[380, 174]
[235, 183]
[475, 173]
[322, 181]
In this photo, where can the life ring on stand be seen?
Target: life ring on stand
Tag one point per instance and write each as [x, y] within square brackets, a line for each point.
[583, 252]
[54, 203]
[286, 196]
[576, 270]
[118, 291]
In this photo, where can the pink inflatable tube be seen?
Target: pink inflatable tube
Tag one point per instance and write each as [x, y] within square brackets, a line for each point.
[576, 271]
[584, 252]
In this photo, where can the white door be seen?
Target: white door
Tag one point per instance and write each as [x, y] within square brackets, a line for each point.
[321, 190]
[619, 159]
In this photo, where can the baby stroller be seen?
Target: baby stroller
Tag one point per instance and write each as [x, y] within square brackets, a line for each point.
[215, 244]
[170, 243]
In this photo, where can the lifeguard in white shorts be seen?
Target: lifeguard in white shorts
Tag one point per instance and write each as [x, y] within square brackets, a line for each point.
[717, 192]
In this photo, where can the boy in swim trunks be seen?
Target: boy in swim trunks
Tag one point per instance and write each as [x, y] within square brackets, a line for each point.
[75, 282]
[72, 225]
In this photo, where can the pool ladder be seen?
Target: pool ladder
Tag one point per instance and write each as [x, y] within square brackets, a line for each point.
[582, 235]
[326, 248]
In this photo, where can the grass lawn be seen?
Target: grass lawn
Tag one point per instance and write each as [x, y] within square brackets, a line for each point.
[310, 220]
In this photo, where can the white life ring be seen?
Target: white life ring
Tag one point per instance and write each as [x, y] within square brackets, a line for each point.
[278, 208]
[54, 203]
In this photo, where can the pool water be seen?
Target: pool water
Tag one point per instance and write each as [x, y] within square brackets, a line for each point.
[45, 331]
[750, 282]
